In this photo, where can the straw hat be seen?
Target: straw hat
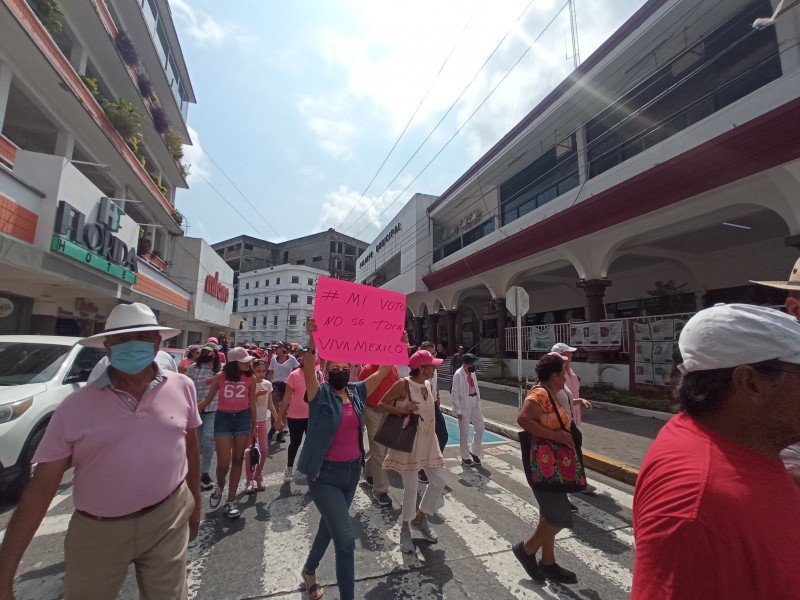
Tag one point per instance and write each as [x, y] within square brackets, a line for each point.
[792, 284]
[129, 318]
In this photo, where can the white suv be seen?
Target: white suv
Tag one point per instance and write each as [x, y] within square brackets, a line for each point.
[36, 373]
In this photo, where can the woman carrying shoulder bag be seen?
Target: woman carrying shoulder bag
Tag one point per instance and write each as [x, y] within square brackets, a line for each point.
[409, 395]
[539, 418]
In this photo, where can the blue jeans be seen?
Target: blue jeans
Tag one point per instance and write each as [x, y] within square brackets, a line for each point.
[207, 444]
[333, 493]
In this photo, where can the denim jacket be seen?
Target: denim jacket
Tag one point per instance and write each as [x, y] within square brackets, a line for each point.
[324, 417]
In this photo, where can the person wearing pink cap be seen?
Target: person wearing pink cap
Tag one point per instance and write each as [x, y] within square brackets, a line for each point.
[413, 394]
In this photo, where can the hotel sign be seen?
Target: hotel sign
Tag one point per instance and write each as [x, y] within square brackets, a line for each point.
[94, 244]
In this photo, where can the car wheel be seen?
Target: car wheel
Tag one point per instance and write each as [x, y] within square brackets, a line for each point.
[16, 487]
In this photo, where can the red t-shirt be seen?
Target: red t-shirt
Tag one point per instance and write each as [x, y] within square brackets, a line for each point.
[377, 395]
[713, 519]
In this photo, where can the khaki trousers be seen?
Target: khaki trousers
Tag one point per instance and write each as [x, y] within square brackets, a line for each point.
[377, 452]
[97, 553]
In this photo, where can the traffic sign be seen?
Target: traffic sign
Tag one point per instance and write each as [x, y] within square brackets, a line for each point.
[517, 297]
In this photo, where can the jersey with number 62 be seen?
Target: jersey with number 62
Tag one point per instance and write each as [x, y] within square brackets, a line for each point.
[234, 396]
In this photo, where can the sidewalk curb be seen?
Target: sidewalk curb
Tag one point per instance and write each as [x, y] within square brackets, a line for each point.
[621, 408]
[592, 460]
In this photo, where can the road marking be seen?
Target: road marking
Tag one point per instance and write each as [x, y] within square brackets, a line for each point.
[595, 559]
[50, 528]
[622, 498]
[620, 529]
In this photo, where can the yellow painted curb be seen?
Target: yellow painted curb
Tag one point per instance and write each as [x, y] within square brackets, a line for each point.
[610, 467]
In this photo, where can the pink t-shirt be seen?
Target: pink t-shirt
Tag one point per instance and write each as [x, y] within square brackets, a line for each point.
[234, 396]
[345, 445]
[126, 456]
[298, 407]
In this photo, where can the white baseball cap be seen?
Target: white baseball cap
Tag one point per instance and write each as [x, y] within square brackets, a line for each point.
[562, 347]
[239, 355]
[729, 335]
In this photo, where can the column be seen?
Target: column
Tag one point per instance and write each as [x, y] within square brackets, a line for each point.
[502, 319]
[5, 88]
[595, 290]
[78, 58]
[698, 300]
[418, 321]
[451, 332]
[433, 328]
[65, 144]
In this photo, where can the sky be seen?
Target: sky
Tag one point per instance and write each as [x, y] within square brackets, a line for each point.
[300, 104]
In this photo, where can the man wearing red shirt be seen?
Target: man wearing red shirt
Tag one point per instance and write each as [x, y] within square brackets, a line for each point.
[715, 511]
[373, 470]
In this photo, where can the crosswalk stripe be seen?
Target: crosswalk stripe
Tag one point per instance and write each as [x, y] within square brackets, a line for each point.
[53, 527]
[595, 559]
[601, 519]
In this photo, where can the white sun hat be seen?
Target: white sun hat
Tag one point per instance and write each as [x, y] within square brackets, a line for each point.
[562, 347]
[129, 318]
[793, 283]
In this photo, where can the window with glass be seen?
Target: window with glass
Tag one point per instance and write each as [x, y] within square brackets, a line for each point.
[245, 301]
[293, 298]
[310, 281]
[255, 301]
[295, 279]
[264, 322]
[247, 285]
[276, 299]
[277, 281]
[554, 173]
[292, 319]
[266, 283]
[256, 283]
[266, 299]
[275, 320]
[309, 299]
[730, 62]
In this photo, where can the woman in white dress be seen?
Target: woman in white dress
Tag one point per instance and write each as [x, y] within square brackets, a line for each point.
[409, 395]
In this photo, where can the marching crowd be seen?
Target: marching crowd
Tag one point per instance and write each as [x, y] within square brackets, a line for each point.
[712, 487]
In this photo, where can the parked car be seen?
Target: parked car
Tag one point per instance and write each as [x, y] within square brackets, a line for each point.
[36, 373]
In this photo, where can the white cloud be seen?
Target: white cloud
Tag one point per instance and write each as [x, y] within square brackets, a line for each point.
[365, 213]
[391, 52]
[197, 160]
[204, 30]
[329, 120]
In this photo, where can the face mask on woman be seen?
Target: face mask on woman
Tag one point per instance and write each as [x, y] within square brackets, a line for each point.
[132, 357]
[338, 379]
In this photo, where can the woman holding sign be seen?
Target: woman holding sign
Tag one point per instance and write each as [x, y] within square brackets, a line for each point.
[332, 458]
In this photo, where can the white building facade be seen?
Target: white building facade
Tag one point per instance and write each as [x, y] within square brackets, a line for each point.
[660, 177]
[87, 199]
[275, 303]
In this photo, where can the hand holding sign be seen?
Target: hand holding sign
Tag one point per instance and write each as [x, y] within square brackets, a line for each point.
[358, 323]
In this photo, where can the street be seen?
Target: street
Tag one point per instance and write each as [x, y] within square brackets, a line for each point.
[485, 511]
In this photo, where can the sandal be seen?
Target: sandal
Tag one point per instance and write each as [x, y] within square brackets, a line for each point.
[315, 591]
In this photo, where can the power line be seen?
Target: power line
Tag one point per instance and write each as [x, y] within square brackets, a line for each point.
[447, 112]
[411, 119]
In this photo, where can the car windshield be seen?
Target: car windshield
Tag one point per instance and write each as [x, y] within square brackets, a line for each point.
[22, 363]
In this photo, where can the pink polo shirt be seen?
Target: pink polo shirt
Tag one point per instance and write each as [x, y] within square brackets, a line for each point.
[126, 455]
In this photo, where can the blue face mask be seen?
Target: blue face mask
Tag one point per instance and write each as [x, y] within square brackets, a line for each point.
[132, 357]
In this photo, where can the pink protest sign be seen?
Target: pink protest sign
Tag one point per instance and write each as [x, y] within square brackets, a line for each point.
[359, 324]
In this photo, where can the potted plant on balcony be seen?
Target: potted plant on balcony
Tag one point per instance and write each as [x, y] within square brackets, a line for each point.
[123, 117]
[145, 85]
[157, 261]
[144, 246]
[126, 49]
[160, 120]
[50, 14]
[174, 142]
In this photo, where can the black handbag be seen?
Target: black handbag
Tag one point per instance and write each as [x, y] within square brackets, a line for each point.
[398, 431]
[550, 466]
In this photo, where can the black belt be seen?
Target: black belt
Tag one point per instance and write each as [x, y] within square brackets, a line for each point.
[132, 515]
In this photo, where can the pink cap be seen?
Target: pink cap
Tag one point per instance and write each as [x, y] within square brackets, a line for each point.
[422, 358]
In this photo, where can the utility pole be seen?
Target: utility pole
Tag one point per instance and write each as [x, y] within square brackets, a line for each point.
[573, 25]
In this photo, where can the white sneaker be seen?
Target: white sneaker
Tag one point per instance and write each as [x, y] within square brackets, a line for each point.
[406, 544]
[425, 529]
[231, 511]
[288, 475]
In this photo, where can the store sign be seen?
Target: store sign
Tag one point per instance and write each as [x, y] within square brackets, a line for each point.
[215, 288]
[94, 244]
